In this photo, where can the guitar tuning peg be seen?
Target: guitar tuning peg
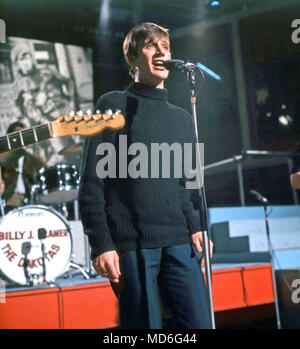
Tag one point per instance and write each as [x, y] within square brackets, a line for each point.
[89, 112]
[118, 111]
[98, 111]
[72, 113]
[88, 117]
[80, 113]
[68, 118]
[108, 111]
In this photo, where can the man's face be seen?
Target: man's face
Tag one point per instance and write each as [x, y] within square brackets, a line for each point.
[18, 128]
[149, 60]
[25, 62]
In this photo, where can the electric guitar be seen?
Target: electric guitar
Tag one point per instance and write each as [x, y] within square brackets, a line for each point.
[77, 124]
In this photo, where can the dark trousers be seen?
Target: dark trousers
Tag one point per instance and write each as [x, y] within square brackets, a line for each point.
[167, 276]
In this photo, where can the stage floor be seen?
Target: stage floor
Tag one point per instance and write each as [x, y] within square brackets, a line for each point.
[78, 303]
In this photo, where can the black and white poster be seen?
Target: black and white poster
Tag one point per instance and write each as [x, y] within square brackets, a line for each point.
[40, 81]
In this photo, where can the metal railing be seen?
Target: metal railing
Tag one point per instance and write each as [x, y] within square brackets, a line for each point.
[239, 159]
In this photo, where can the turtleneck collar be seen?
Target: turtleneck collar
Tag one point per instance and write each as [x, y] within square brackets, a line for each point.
[148, 91]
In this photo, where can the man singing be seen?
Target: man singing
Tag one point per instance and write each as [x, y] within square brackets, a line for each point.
[141, 230]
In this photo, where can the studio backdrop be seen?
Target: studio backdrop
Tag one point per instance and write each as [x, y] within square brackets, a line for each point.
[40, 81]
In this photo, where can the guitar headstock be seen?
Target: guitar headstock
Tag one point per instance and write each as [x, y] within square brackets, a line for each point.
[87, 124]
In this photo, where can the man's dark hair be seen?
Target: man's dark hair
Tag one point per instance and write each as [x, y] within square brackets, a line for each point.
[12, 127]
[138, 34]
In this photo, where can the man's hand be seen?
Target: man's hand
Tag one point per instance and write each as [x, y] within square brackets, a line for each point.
[107, 265]
[2, 187]
[197, 240]
[295, 180]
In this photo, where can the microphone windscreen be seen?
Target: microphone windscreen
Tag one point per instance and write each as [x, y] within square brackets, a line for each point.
[42, 233]
[26, 247]
[173, 64]
[258, 196]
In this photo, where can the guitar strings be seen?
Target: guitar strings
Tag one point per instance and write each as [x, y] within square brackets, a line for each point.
[27, 132]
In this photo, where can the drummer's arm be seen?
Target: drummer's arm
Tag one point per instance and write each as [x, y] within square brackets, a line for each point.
[2, 187]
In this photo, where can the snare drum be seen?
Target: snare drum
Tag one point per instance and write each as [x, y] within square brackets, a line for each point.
[57, 184]
[21, 246]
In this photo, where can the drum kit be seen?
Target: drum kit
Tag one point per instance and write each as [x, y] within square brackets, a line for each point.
[36, 244]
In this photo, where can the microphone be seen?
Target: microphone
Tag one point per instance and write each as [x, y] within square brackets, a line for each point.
[25, 249]
[42, 235]
[259, 197]
[178, 64]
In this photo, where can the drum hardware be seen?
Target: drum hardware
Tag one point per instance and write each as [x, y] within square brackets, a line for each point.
[77, 266]
[33, 191]
[72, 149]
[88, 261]
[76, 210]
[81, 247]
[64, 210]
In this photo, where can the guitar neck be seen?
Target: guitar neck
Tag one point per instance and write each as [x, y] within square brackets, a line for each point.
[26, 137]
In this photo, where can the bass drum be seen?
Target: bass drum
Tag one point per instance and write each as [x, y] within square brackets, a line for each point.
[24, 232]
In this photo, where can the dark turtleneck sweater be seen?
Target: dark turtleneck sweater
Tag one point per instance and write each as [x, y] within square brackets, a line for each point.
[127, 213]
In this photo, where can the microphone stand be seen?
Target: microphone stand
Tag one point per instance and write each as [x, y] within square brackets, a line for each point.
[2, 205]
[43, 260]
[42, 235]
[25, 249]
[272, 266]
[191, 76]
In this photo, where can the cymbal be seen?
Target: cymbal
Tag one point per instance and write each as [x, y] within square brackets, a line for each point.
[72, 149]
